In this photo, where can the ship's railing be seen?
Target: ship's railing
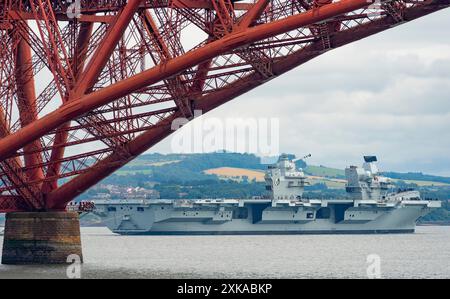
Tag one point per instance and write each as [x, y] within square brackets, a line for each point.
[81, 207]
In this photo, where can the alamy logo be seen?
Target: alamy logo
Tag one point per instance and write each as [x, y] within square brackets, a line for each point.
[74, 269]
[205, 135]
[375, 8]
[74, 10]
[374, 266]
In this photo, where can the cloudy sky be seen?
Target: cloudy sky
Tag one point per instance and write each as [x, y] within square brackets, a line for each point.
[387, 95]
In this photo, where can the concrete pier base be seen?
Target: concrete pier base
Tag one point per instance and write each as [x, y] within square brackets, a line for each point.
[41, 238]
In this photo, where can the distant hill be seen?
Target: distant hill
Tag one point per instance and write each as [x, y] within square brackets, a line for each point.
[181, 167]
[417, 176]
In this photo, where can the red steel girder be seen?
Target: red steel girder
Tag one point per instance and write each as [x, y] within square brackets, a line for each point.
[86, 79]
[27, 103]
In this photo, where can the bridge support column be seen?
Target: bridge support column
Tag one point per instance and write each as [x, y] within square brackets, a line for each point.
[41, 238]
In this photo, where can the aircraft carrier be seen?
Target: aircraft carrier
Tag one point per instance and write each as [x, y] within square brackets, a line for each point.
[371, 207]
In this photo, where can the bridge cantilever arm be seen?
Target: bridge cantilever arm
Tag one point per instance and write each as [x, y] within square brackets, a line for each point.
[10, 144]
[256, 11]
[86, 77]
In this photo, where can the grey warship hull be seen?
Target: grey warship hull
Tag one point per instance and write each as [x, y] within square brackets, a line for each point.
[252, 217]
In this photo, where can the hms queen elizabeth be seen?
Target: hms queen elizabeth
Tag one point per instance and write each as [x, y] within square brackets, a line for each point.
[371, 207]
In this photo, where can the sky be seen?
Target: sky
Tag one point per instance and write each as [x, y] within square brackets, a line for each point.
[387, 95]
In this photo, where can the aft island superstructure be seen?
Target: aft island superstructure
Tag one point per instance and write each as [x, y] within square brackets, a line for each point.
[371, 207]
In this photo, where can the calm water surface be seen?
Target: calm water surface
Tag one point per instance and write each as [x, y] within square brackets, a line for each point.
[425, 254]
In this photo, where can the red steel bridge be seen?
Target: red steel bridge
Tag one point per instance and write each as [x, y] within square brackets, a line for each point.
[88, 86]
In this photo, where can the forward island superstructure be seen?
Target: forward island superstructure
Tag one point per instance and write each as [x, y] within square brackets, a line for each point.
[371, 207]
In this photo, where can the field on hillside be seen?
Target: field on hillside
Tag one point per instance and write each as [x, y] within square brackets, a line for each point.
[132, 172]
[128, 170]
[150, 163]
[237, 173]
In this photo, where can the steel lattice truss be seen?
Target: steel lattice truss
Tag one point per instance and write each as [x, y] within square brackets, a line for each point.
[85, 89]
